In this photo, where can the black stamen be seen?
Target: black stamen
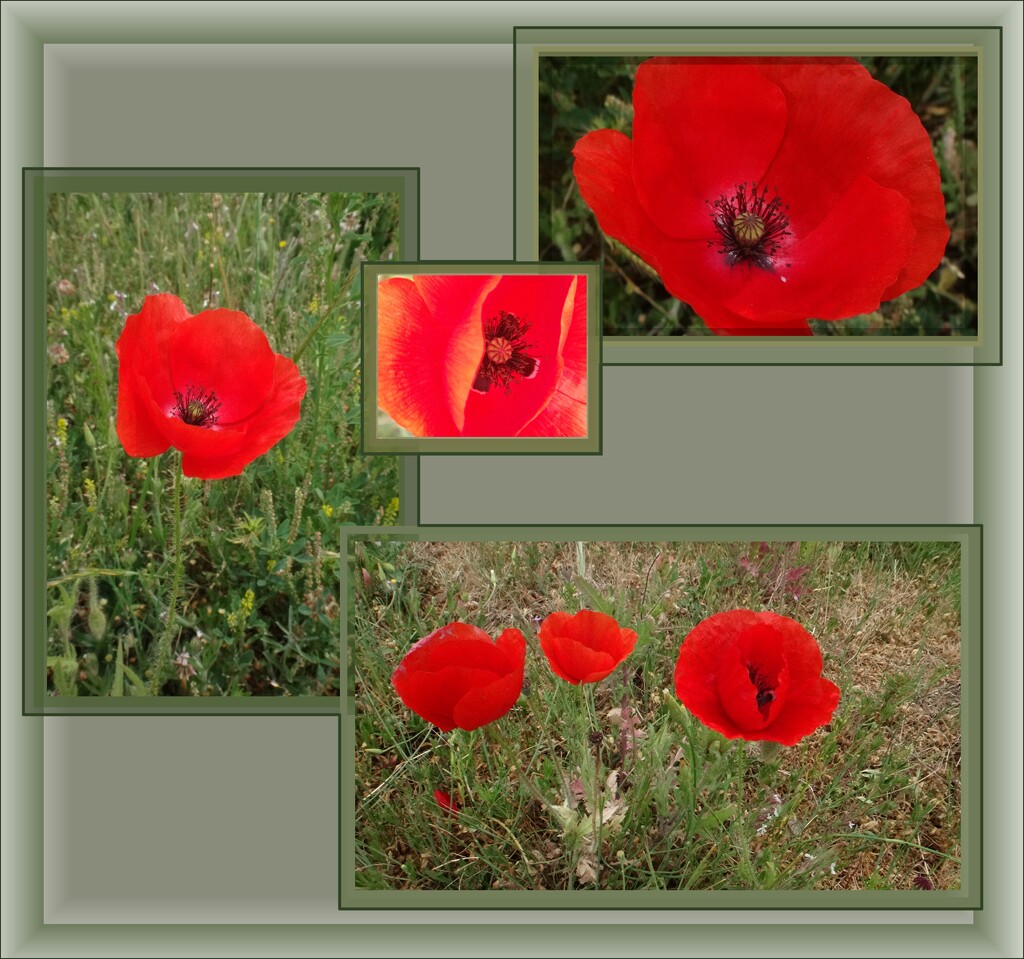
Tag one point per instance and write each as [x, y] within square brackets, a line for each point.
[196, 407]
[765, 693]
[505, 361]
[750, 226]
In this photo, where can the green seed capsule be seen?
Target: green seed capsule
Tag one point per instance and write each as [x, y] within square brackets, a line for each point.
[748, 228]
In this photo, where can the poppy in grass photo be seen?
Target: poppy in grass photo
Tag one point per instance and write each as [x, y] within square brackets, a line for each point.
[468, 355]
[585, 647]
[754, 676]
[458, 677]
[209, 385]
[767, 192]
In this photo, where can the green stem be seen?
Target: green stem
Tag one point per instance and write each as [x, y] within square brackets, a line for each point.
[594, 740]
[691, 811]
[329, 311]
[513, 759]
[163, 650]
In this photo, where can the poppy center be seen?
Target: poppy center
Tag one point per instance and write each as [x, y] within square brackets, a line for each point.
[507, 359]
[765, 693]
[197, 407]
[750, 227]
[499, 350]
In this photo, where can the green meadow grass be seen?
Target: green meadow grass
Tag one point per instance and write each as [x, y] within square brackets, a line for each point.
[580, 94]
[616, 786]
[260, 613]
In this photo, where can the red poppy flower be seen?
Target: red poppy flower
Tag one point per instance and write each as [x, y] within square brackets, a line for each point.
[459, 677]
[754, 676]
[208, 385]
[483, 355]
[766, 192]
[586, 647]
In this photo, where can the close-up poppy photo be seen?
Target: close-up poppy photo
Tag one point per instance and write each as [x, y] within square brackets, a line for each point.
[202, 449]
[482, 356]
[535, 715]
[766, 196]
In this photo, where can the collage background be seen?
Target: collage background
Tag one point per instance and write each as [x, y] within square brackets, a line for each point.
[229, 819]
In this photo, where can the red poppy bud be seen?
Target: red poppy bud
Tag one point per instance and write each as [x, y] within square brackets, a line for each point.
[584, 648]
[766, 192]
[483, 355]
[458, 677]
[209, 385]
[754, 676]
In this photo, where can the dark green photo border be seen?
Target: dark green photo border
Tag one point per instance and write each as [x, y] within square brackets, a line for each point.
[38, 184]
[969, 896]
[589, 444]
[985, 43]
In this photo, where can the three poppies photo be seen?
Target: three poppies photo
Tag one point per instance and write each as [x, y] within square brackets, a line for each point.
[655, 715]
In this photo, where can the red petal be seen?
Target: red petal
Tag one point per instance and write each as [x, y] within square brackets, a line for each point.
[687, 154]
[876, 134]
[445, 801]
[436, 695]
[461, 643]
[484, 703]
[429, 347]
[574, 662]
[143, 366]
[603, 168]
[565, 413]
[544, 302]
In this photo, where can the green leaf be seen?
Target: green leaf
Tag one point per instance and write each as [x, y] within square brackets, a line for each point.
[65, 674]
[593, 596]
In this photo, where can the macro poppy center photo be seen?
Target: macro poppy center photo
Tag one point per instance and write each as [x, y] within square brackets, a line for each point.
[481, 355]
[750, 227]
[197, 407]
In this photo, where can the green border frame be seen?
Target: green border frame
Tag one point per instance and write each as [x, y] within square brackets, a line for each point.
[38, 183]
[985, 43]
[28, 930]
[969, 896]
[589, 444]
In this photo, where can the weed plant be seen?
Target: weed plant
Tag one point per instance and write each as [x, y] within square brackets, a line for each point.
[580, 94]
[872, 801]
[260, 614]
